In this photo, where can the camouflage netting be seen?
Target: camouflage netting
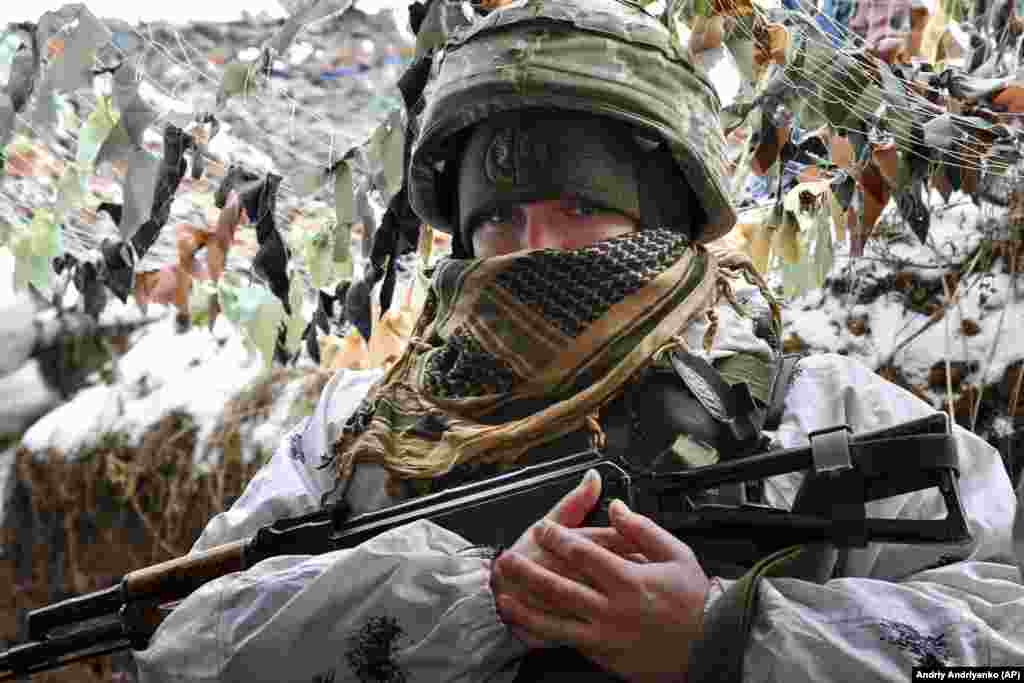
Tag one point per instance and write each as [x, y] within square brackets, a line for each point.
[79, 526]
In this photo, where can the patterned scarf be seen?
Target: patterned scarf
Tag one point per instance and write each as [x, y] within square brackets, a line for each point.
[515, 351]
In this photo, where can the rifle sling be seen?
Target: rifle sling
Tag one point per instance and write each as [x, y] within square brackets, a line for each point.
[784, 373]
[718, 655]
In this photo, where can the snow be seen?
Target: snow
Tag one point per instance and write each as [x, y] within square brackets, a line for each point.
[267, 436]
[815, 328]
[6, 276]
[180, 11]
[819, 317]
[163, 371]
[196, 372]
[75, 424]
[230, 149]
[23, 398]
[721, 69]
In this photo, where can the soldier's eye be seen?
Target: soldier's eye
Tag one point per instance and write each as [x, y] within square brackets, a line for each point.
[582, 209]
[502, 217]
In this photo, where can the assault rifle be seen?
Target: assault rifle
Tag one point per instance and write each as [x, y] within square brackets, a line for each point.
[842, 473]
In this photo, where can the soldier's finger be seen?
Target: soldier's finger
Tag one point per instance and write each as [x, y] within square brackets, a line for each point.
[574, 507]
[657, 543]
[545, 627]
[551, 591]
[602, 567]
[610, 539]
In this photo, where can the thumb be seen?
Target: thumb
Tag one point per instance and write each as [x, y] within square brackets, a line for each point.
[652, 540]
[577, 504]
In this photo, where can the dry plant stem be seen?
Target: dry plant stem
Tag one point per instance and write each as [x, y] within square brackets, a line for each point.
[153, 530]
[905, 264]
[743, 164]
[933, 318]
[988, 364]
[133, 474]
[949, 370]
[172, 499]
[71, 541]
[252, 412]
[136, 561]
[163, 520]
[960, 310]
[221, 483]
[944, 266]
[170, 494]
[963, 337]
[1015, 396]
[1011, 287]
[211, 488]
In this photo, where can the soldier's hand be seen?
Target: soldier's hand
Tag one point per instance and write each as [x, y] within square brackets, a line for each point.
[568, 512]
[634, 618]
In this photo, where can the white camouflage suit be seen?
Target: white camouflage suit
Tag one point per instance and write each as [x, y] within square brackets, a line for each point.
[409, 606]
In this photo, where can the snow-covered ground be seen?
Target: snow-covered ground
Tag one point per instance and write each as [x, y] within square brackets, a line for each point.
[196, 372]
[979, 328]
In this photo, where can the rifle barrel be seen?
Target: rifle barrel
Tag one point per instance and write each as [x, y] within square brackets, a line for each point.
[167, 581]
[78, 657]
[73, 610]
[40, 655]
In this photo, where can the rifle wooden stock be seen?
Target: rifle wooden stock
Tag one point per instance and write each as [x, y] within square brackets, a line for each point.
[163, 582]
[175, 579]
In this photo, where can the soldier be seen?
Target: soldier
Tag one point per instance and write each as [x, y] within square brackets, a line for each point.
[575, 156]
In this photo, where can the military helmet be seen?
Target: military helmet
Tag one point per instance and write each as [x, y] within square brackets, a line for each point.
[603, 57]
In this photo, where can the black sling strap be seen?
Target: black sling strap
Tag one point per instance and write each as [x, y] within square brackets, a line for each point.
[777, 398]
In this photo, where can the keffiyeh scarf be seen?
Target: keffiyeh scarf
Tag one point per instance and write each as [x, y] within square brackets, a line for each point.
[515, 351]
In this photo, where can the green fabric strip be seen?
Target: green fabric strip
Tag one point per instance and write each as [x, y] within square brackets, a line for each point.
[749, 368]
[692, 453]
[719, 654]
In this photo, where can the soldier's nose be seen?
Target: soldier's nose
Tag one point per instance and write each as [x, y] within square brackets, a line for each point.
[542, 231]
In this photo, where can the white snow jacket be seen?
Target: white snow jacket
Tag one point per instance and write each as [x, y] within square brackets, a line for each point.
[413, 605]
